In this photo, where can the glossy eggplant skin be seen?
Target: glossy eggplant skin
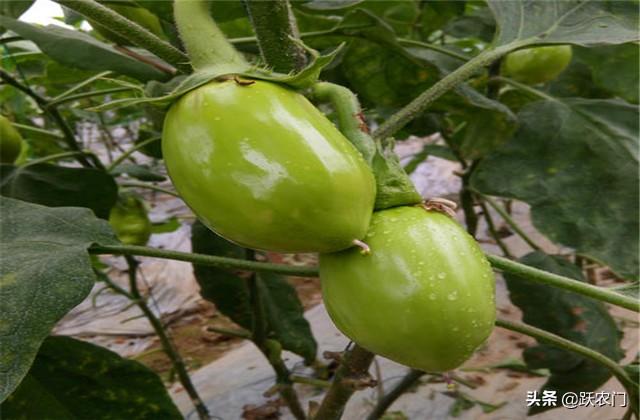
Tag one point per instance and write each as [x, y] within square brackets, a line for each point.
[423, 297]
[264, 168]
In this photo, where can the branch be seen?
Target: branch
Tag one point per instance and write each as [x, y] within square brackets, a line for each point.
[529, 273]
[204, 41]
[276, 28]
[135, 33]
[203, 259]
[404, 385]
[166, 343]
[509, 220]
[540, 276]
[419, 104]
[354, 364]
[350, 118]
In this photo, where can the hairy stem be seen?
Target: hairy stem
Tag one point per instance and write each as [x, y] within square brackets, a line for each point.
[135, 33]
[419, 104]
[208, 260]
[405, 384]
[166, 343]
[540, 276]
[350, 119]
[204, 41]
[355, 363]
[276, 28]
[529, 273]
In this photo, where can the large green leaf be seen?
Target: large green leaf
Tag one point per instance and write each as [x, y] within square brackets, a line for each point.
[59, 186]
[575, 162]
[45, 271]
[72, 380]
[580, 22]
[229, 291]
[79, 50]
[615, 68]
[569, 315]
[285, 316]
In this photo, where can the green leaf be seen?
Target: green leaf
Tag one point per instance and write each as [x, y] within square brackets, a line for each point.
[579, 22]
[59, 186]
[71, 379]
[575, 317]
[45, 271]
[440, 151]
[229, 291]
[13, 9]
[478, 24]
[285, 316]
[393, 186]
[79, 50]
[575, 162]
[165, 95]
[488, 124]
[141, 172]
[225, 288]
[615, 69]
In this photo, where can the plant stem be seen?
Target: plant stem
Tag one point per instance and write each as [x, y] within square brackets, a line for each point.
[82, 84]
[405, 384]
[53, 112]
[237, 333]
[165, 341]
[260, 330]
[275, 26]
[509, 220]
[37, 130]
[130, 151]
[49, 158]
[529, 273]
[539, 276]
[149, 187]
[419, 104]
[555, 340]
[208, 260]
[355, 363]
[204, 41]
[82, 95]
[524, 88]
[350, 118]
[493, 231]
[135, 33]
[436, 48]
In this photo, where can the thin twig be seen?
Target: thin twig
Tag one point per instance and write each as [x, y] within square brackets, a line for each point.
[509, 220]
[492, 230]
[408, 381]
[166, 343]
